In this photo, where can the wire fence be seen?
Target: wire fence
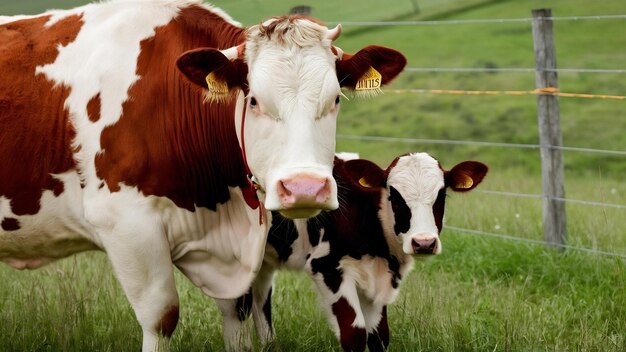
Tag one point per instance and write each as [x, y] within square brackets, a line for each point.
[512, 69]
[474, 21]
[507, 145]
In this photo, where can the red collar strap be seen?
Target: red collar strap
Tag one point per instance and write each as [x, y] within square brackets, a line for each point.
[249, 191]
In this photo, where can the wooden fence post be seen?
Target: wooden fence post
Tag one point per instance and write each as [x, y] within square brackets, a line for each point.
[554, 222]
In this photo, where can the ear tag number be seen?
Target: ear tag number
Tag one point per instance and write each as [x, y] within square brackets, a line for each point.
[371, 80]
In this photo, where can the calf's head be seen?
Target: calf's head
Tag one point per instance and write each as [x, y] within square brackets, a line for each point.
[287, 77]
[413, 195]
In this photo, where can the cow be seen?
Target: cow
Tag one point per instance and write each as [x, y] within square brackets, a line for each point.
[160, 132]
[358, 254]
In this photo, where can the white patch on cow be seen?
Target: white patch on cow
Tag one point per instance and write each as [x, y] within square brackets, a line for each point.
[372, 276]
[5, 207]
[237, 334]
[345, 156]
[294, 83]
[367, 288]
[418, 178]
[56, 231]
[103, 60]
[220, 251]
[7, 19]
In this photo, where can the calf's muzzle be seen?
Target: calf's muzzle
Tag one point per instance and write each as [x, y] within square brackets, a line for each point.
[424, 245]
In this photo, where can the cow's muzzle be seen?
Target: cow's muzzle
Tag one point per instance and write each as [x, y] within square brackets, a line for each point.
[304, 196]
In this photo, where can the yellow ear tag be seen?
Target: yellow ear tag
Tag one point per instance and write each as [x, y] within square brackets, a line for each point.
[363, 182]
[465, 183]
[371, 80]
[216, 86]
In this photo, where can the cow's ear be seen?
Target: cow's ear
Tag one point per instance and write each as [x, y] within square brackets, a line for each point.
[218, 72]
[369, 69]
[363, 174]
[465, 176]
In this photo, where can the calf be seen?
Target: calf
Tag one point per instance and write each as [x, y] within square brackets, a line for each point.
[357, 255]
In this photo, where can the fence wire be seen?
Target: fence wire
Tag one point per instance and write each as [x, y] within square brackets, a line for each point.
[479, 143]
[536, 242]
[541, 196]
[511, 70]
[474, 21]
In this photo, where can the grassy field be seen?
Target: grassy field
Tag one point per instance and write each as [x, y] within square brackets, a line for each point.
[482, 293]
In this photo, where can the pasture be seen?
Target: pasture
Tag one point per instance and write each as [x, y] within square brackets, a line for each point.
[483, 293]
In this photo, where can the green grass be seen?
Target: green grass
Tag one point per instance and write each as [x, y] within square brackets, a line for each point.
[482, 293]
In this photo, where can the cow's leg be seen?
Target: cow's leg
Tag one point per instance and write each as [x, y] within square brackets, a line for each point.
[262, 304]
[352, 334]
[378, 338]
[236, 334]
[140, 255]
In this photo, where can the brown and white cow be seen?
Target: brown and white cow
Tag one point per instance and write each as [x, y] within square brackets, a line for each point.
[122, 126]
[358, 254]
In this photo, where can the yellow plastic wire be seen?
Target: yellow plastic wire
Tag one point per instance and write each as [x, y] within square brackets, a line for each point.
[540, 91]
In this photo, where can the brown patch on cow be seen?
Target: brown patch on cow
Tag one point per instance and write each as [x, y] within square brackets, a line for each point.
[10, 224]
[93, 108]
[168, 142]
[168, 322]
[36, 135]
[351, 338]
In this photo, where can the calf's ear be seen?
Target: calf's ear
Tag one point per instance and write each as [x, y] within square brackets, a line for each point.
[218, 72]
[370, 68]
[363, 174]
[465, 176]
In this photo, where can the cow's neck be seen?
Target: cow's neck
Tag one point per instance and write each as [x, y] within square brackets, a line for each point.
[169, 142]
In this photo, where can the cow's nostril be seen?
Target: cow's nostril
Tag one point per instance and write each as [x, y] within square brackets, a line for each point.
[282, 190]
[424, 246]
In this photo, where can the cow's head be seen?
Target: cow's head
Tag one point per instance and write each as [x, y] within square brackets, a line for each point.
[413, 195]
[288, 78]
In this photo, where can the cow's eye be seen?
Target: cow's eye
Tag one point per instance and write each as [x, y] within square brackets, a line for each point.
[337, 100]
[253, 101]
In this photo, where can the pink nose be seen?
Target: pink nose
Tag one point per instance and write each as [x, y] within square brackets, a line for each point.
[424, 246]
[303, 191]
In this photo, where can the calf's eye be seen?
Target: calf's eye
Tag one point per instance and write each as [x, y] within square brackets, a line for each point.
[253, 101]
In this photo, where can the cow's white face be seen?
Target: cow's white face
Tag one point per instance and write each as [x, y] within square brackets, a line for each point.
[416, 189]
[292, 76]
[290, 124]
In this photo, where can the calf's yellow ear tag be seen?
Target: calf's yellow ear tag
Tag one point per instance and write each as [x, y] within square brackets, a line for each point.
[465, 183]
[363, 182]
[216, 87]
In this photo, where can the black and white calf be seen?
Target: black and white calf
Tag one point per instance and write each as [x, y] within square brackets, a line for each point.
[356, 255]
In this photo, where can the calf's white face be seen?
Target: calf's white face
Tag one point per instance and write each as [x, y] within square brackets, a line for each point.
[415, 183]
[416, 186]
